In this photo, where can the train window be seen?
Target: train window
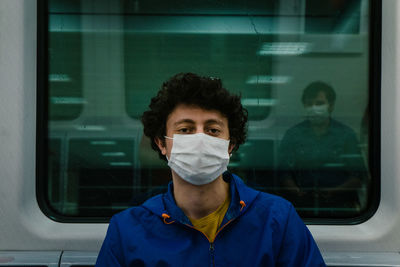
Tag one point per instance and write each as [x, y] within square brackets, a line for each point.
[64, 74]
[305, 70]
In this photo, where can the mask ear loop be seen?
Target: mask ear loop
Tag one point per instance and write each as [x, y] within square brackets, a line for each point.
[233, 148]
[170, 138]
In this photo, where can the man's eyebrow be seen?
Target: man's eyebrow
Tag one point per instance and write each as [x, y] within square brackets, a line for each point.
[183, 121]
[219, 122]
[210, 121]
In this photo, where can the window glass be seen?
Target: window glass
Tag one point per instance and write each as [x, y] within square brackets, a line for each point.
[65, 76]
[106, 59]
[99, 174]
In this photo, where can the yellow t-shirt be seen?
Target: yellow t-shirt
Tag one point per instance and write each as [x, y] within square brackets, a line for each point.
[209, 224]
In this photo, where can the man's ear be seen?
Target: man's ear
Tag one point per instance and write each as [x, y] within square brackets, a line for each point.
[231, 147]
[161, 145]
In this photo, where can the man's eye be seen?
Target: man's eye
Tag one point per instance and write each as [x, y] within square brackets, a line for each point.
[183, 130]
[214, 131]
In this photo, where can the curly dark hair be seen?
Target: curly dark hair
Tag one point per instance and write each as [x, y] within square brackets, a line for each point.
[313, 89]
[192, 89]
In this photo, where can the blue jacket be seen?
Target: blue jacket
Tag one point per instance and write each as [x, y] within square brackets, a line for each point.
[259, 229]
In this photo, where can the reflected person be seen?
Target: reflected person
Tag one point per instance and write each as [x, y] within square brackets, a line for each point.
[319, 159]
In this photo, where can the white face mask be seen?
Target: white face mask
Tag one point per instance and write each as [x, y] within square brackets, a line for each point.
[198, 158]
[317, 113]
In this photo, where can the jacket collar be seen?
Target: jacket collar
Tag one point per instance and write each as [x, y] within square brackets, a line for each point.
[241, 198]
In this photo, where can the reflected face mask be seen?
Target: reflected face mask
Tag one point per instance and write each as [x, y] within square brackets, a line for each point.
[198, 158]
[317, 113]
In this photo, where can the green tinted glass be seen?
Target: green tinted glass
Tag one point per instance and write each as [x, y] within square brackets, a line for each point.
[107, 59]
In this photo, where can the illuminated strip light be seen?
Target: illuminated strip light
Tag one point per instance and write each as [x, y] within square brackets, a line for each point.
[334, 165]
[266, 79]
[259, 102]
[103, 143]
[59, 78]
[284, 48]
[90, 128]
[67, 100]
[122, 163]
[113, 154]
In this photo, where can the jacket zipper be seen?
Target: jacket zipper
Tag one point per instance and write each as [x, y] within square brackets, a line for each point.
[211, 248]
[212, 254]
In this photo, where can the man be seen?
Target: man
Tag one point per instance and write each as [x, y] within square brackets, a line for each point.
[322, 168]
[208, 217]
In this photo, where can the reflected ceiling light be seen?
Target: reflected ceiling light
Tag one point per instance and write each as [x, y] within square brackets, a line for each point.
[266, 79]
[259, 102]
[103, 143]
[122, 163]
[58, 100]
[334, 165]
[113, 154]
[284, 48]
[90, 128]
[54, 77]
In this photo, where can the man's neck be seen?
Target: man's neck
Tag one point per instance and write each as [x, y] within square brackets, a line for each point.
[321, 128]
[198, 201]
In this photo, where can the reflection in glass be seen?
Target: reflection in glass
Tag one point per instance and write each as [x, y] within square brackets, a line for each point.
[322, 170]
[105, 62]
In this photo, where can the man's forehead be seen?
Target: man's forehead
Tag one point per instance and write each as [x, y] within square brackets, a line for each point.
[318, 96]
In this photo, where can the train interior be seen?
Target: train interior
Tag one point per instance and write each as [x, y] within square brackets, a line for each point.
[99, 63]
